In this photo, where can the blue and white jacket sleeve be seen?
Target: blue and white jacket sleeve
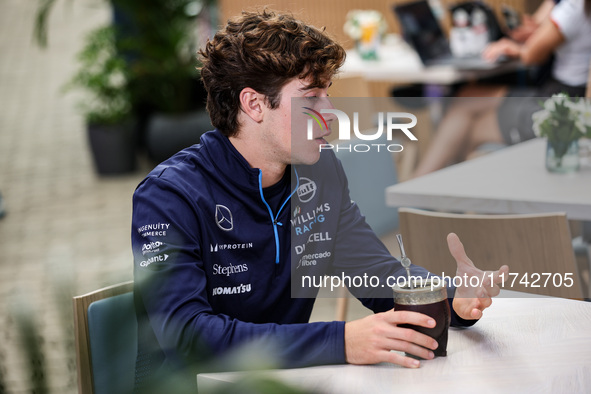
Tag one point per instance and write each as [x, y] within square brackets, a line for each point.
[359, 252]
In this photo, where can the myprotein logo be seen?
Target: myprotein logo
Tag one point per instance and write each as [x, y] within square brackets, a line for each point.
[387, 123]
[217, 247]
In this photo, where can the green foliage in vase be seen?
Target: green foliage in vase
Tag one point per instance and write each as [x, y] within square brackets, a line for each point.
[563, 120]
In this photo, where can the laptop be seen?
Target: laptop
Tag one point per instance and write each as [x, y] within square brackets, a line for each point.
[422, 31]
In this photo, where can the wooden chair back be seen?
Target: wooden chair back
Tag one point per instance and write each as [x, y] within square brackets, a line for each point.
[588, 91]
[536, 247]
[106, 332]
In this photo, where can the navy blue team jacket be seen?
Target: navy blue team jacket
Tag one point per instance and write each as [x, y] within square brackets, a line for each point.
[215, 257]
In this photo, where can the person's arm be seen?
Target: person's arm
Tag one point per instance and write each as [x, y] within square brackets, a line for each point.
[530, 23]
[564, 24]
[535, 50]
[538, 48]
[171, 286]
[370, 340]
[360, 253]
[543, 11]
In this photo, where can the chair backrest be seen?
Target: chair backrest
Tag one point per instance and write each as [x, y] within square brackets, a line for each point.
[106, 340]
[531, 245]
[369, 173]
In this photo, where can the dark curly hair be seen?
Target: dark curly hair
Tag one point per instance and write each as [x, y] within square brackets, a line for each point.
[264, 51]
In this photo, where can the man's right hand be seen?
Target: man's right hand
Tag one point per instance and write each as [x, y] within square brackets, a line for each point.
[371, 339]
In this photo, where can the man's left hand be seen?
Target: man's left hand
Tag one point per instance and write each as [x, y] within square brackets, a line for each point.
[470, 299]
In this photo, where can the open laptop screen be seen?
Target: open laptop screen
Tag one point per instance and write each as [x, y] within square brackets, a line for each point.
[421, 30]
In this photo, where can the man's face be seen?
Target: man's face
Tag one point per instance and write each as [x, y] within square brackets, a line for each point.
[289, 122]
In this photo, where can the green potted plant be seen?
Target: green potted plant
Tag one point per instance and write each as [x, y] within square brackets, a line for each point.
[103, 79]
[158, 42]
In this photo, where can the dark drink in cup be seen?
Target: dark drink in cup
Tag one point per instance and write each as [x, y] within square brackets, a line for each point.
[430, 300]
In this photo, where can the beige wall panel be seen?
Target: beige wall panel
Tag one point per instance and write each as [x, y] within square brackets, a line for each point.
[332, 13]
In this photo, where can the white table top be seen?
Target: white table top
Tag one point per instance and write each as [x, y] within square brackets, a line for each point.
[399, 63]
[537, 345]
[511, 180]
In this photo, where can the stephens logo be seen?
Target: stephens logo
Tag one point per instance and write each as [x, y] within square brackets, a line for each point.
[229, 270]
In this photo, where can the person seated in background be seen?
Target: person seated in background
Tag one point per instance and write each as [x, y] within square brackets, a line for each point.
[530, 23]
[501, 120]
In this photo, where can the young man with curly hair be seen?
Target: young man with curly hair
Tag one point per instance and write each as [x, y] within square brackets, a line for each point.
[212, 226]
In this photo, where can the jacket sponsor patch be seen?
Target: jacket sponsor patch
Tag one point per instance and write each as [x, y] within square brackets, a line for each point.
[240, 289]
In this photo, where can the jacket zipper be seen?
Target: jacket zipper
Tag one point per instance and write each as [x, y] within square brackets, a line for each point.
[274, 218]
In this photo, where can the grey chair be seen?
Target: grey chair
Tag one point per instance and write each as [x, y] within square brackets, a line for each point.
[106, 340]
[369, 174]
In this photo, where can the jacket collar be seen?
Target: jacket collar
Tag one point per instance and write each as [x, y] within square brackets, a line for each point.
[229, 163]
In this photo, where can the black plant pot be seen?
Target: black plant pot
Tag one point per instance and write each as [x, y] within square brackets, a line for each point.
[113, 148]
[167, 134]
